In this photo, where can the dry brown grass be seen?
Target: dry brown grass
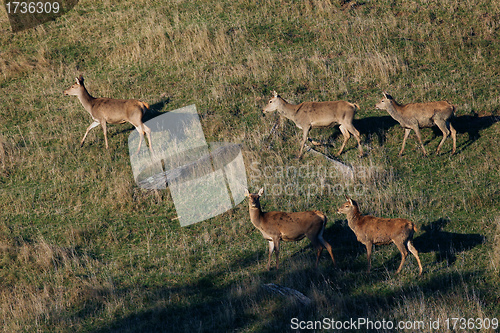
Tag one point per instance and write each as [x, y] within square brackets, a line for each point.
[83, 248]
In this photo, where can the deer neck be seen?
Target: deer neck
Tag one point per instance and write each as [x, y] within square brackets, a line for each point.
[353, 218]
[255, 215]
[394, 112]
[288, 110]
[86, 99]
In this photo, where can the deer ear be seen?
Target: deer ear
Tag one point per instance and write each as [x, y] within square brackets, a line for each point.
[275, 94]
[348, 199]
[261, 191]
[247, 194]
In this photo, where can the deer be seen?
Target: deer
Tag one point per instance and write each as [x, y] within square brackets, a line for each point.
[414, 116]
[111, 111]
[278, 226]
[309, 115]
[371, 230]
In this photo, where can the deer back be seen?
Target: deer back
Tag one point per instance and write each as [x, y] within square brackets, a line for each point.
[324, 114]
[426, 113]
[383, 230]
[116, 111]
[292, 226]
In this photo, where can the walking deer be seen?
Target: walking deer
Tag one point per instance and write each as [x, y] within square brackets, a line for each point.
[278, 226]
[372, 230]
[308, 115]
[111, 111]
[414, 116]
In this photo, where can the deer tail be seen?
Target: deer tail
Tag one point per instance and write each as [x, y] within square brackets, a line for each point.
[322, 216]
[144, 106]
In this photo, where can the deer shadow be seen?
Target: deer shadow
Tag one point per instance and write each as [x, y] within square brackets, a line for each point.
[345, 245]
[445, 245]
[472, 125]
[154, 109]
[375, 126]
[368, 127]
[468, 124]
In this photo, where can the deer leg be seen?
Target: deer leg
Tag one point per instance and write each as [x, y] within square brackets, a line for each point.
[271, 250]
[414, 251]
[346, 135]
[141, 134]
[443, 126]
[147, 130]
[143, 129]
[103, 125]
[317, 243]
[320, 250]
[404, 254]
[327, 246]
[419, 137]
[304, 139]
[277, 251]
[91, 126]
[355, 132]
[454, 137]
[407, 133]
[369, 255]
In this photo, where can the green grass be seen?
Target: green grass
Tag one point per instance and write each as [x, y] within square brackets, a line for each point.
[83, 248]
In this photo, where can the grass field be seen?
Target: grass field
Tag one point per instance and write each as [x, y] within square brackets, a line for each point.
[83, 248]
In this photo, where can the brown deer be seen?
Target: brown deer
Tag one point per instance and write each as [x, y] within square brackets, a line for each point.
[111, 111]
[414, 116]
[372, 230]
[278, 226]
[308, 115]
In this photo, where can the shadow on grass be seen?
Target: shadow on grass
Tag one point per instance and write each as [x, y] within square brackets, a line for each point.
[469, 124]
[375, 127]
[368, 127]
[472, 125]
[214, 304]
[217, 302]
[154, 109]
[445, 245]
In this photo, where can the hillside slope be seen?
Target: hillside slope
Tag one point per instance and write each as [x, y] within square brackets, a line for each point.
[83, 248]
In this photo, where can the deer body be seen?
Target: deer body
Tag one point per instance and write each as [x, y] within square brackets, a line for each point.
[370, 230]
[414, 116]
[308, 115]
[111, 111]
[278, 226]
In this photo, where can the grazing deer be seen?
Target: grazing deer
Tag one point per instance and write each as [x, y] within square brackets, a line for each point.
[372, 230]
[111, 111]
[414, 116]
[278, 226]
[308, 115]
